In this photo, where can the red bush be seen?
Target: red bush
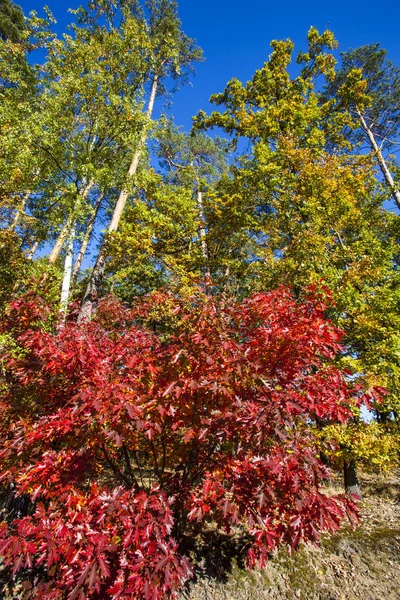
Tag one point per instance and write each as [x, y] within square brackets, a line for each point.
[126, 438]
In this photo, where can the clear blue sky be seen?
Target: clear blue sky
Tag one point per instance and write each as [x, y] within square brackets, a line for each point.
[235, 35]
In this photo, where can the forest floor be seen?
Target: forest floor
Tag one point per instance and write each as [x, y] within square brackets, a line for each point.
[352, 564]
[363, 563]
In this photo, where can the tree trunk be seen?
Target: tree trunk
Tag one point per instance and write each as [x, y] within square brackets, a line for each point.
[19, 211]
[25, 199]
[32, 251]
[97, 275]
[85, 241]
[351, 484]
[58, 246]
[66, 230]
[382, 417]
[381, 161]
[66, 284]
[203, 241]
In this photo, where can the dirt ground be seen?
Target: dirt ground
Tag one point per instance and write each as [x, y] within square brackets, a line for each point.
[360, 564]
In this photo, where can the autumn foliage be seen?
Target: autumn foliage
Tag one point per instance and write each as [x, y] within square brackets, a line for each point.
[136, 430]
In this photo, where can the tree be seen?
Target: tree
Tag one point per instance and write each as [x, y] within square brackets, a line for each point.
[165, 235]
[12, 21]
[157, 242]
[128, 441]
[195, 160]
[21, 168]
[171, 55]
[368, 84]
[13, 266]
[91, 116]
[317, 215]
[82, 129]
[373, 445]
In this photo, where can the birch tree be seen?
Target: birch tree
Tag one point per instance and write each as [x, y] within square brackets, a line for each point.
[92, 95]
[171, 55]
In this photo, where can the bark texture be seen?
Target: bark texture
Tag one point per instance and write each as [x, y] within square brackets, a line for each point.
[203, 240]
[381, 161]
[69, 225]
[66, 284]
[32, 251]
[96, 278]
[20, 211]
[351, 484]
[85, 241]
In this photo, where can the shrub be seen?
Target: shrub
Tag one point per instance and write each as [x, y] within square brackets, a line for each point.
[135, 430]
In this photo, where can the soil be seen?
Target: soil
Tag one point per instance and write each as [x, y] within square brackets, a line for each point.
[352, 564]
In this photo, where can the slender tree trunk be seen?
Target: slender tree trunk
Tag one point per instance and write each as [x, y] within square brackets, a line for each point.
[97, 275]
[66, 230]
[203, 241]
[351, 484]
[58, 246]
[85, 241]
[21, 210]
[381, 161]
[32, 251]
[66, 284]
[25, 199]
[123, 197]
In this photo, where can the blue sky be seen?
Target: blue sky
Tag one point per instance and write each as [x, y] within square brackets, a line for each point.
[235, 35]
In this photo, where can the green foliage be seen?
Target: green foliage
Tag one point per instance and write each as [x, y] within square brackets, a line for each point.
[13, 266]
[373, 445]
[285, 197]
[368, 80]
[168, 233]
[155, 240]
[12, 21]
[316, 207]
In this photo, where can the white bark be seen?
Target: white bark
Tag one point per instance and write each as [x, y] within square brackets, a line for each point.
[25, 199]
[70, 223]
[381, 161]
[121, 202]
[203, 241]
[32, 251]
[58, 246]
[66, 284]
[85, 241]
[20, 211]
[97, 275]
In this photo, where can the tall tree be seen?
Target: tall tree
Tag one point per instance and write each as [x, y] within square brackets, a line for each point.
[12, 21]
[368, 85]
[317, 207]
[196, 160]
[92, 113]
[171, 55]
[183, 227]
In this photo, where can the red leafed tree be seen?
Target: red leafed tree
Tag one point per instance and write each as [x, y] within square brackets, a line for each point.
[139, 428]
